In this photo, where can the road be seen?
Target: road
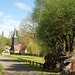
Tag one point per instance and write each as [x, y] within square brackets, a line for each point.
[12, 67]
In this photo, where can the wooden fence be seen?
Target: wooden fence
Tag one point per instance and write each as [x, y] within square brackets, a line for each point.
[33, 63]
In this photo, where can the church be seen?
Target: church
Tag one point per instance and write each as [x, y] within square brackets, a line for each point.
[18, 48]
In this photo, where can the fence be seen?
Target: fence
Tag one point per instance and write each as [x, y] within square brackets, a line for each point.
[33, 63]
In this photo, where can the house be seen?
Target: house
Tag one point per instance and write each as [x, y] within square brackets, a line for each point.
[18, 48]
[6, 52]
[7, 48]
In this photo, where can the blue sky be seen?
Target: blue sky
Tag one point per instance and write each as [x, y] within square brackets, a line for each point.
[12, 12]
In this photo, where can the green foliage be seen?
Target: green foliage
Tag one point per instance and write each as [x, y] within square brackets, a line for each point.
[56, 19]
[1, 51]
[4, 41]
[8, 41]
[1, 70]
[33, 48]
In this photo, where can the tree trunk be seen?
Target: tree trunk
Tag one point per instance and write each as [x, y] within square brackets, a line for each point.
[66, 65]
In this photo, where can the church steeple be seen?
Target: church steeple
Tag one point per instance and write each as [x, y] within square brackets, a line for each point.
[14, 41]
[15, 36]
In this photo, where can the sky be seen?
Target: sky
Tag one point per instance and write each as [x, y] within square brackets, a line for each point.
[12, 12]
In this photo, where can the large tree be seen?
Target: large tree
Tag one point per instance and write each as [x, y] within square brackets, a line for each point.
[56, 24]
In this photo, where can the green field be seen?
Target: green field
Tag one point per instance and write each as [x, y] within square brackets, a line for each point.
[35, 59]
[32, 58]
[1, 70]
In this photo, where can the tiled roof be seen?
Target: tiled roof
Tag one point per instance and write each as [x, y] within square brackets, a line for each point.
[21, 47]
[7, 47]
[16, 48]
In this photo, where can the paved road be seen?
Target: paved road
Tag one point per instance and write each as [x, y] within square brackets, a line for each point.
[14, 68]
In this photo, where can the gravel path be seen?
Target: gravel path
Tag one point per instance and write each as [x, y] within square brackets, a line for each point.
[14, 68]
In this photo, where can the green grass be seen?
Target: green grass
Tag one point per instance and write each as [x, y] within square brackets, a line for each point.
[1, 70]
[32, 58]
[35, 59]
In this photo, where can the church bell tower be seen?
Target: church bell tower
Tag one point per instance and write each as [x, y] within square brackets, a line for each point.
[14, 39]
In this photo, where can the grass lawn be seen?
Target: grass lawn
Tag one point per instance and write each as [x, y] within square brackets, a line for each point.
[1, 70]
[35, 59]
[32, 58]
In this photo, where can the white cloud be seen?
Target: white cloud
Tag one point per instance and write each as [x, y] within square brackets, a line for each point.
[11, 22]
[1, 13]
[8, 16]
[22, 6]
[8, 25]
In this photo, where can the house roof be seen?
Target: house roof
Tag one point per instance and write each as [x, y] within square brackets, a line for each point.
[21, 47]
[7, 47]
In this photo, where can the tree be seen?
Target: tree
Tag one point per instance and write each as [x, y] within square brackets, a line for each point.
[27, 34]
[33, 48]
[56, 24]
[27, 28]
[56, 21]
[2, 41]
[8, 41]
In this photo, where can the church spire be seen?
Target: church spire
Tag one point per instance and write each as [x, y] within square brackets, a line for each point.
[15, 36]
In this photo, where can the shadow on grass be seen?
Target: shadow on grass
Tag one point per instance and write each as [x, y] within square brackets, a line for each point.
[18, 67]
[8, 60]
[43, 71]
[38, 68]
[15, 67]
